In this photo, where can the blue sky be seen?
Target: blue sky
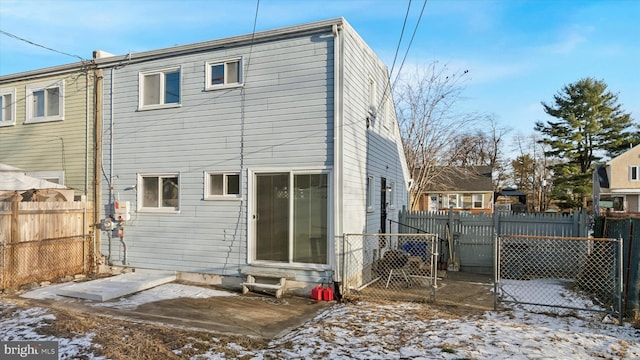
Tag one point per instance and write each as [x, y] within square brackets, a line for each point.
[518, 52]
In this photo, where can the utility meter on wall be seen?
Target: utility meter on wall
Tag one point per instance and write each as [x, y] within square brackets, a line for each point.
[121, 210]
[106, 224]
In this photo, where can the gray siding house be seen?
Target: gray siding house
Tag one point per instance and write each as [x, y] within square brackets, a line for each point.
[251, 152]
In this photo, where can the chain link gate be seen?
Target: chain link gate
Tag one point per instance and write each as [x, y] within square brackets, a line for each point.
[390, 266]
[559, 272]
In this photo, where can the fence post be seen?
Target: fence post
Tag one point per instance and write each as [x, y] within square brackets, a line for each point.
[584, 223]
[15, 214]
[621, 281]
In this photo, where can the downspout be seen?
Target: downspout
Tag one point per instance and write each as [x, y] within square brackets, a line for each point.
[86, 169]
[111, 121]
[97, 177]
[338, 66]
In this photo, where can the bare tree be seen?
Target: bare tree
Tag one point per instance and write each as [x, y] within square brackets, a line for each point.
[430, 124]
[531, 171]
[483, 146]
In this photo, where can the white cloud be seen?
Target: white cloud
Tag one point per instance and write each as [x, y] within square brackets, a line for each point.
[569, 40]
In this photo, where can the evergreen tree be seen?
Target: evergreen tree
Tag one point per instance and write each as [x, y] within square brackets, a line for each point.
[589, 125]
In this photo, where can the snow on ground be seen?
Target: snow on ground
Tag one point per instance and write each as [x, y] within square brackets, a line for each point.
[386, 331]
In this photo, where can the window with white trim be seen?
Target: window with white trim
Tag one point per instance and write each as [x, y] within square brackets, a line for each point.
[221, 74]
[478, 201]
[7, 107]
[159, 89]
[370, 193]
[222, 186]
[159, 192]
[45, 101]
[452, 200]
[373, 94]
[634, 173]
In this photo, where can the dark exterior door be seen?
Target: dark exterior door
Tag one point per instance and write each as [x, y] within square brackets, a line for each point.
[383, 205]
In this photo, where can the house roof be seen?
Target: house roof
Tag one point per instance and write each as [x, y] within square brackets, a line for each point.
[103, 60]
[510, 192]
[472, 178]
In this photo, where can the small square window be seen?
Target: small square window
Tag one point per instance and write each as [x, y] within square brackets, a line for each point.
[222, 74]
[7, 107]
[45, 102]
[159, 193]
[159, 89]
[634, 173]
[222, 186]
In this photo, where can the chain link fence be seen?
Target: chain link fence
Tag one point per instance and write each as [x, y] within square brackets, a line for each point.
[390, 266]
[45, 260]
[559, 272]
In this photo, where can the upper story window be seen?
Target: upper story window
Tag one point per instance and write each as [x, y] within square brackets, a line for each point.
[634, 173]
[45, 101]
[222, 186]
[159, 89]
[373, 94]
[7, 106]
[220, 74]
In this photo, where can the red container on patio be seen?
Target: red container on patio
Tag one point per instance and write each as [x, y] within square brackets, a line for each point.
[317, 292]
[327, 294]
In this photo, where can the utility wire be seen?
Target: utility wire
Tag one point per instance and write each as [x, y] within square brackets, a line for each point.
[395, 57]
[410, 42]
[42, 46]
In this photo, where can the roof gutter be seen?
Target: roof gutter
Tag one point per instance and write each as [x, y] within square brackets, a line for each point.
[236, 41]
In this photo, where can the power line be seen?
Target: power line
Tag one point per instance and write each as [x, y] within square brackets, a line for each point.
[395, 57]
[410, 42]
[42, 46]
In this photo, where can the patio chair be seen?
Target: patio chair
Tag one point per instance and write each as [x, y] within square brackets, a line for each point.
[395, 262]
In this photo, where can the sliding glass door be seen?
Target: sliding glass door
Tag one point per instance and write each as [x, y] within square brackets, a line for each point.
[292, 216]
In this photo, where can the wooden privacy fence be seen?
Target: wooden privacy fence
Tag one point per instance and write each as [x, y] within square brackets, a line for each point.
[43, 241]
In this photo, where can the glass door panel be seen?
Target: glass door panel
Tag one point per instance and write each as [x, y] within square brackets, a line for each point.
[272, 217]
[310, 216]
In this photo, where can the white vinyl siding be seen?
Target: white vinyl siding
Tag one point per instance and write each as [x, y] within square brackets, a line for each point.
[45, 102]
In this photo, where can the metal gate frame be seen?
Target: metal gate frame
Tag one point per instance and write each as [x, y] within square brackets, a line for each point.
[527, 267]
[390, 266]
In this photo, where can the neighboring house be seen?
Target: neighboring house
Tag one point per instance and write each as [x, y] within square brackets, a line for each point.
[47, 125]
[467, 189]
[616, 185]
[252, 152]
